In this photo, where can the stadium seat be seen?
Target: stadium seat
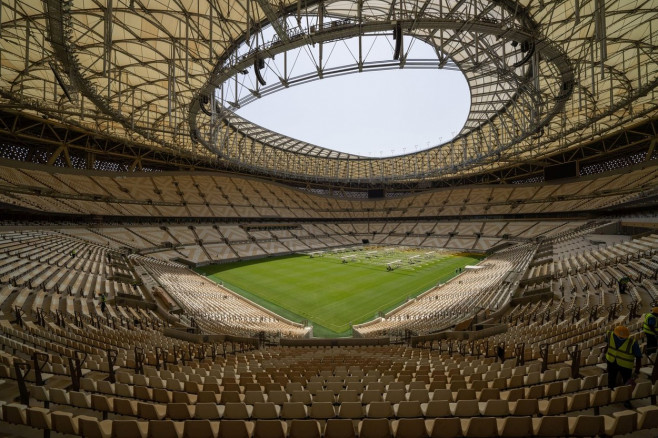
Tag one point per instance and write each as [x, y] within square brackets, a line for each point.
[374, 428]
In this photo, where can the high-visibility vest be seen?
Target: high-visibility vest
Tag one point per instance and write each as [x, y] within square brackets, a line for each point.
[646, 328]
[623, 355]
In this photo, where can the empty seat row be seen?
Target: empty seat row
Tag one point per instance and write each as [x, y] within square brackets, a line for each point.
[619, 423]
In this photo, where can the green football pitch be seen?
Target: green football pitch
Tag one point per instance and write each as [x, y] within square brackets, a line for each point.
[333, 295]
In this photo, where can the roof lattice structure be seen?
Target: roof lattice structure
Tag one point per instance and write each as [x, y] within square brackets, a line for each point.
[545, 76]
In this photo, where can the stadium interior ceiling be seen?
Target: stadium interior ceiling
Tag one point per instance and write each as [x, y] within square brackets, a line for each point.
[131, 85]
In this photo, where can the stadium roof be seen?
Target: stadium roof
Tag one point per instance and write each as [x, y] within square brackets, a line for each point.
[545, 75]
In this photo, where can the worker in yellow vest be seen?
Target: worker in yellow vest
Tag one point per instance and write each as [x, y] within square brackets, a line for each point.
[621, 352]
[650, 329]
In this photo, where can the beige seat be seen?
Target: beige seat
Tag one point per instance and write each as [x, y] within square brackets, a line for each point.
[124, 390]
[39, 418]
[235, 429]
[207, 411]
[277, 397]
[571, 385]
[351, 410]
[269, 429]
[466, 394]
[380, 409]
[480, 427]
[251, 397]
[554, 406]
[165, 429]
[206, 397]
[368, 396]
[151, 411]
[102, 404]
[466, 408]
[417, 385]
[293, 411]
[322, 411]
[376, 386]
[314, 386]
[513, 394]
[409, 428]
[57, 396]
[553, 389]
[578, 402]
[265, 411]
[487, 394]
[374, 428]
[396, 385]
[648, 417]
[437, 408]
[348, 395]
[408, 409]
[642, 390]
[65, 423]
[90, 427]
[622, 394]
[336, 387]
[14, 413]
[324, 395]
[301, 396]
[589, 382]
[304, 429]
[600, 398]
[293, 386]
[354, 386]
[421, 395]
[80, 399]
[513, 427]
[586, 425]
[237, 411]
[143, 393]
[209, 429]
[442, 394]
[394, 396]
[455, 386]
[444, 427]
[229, 397]
[550, 426]
[339, 428]
[179, 412]
[621, 423]
[529, 407]
[537, 391]
[129, 428]
[495, 408]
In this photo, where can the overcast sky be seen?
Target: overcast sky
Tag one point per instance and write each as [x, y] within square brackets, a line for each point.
[371, 113]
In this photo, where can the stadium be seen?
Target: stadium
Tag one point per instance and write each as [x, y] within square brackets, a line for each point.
[170, 268]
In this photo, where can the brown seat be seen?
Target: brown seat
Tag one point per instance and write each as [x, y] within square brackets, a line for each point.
[409, 409]
[91, 427]
[129, 429]
[550, 426]
[207, 429]
[235, 429]
[444, 427]
[409, 428]
[180, 411]
[165, 429]
[339, 428]
[304, 429]
[270, 429]
[39, 418]
[375, 428]
[14, 413]
[513, 427]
